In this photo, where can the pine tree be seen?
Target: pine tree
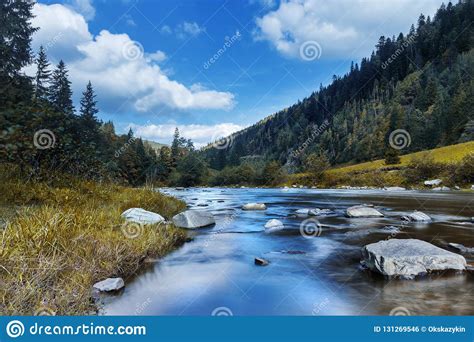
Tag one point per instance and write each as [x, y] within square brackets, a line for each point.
[15, 51]
[43, 75]
[89, 124]
[60, 93]
[88, 108]
[175, 147]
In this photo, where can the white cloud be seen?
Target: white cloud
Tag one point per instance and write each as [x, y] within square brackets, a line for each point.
[84, 7]
[184, 30]
[116, 65]
[201, 135]
[158, 56]
[342, 28]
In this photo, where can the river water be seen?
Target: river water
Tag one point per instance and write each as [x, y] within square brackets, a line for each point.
[311, 271]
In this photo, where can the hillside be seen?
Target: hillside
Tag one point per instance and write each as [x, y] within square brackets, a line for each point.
[420, 82]
[453, 164]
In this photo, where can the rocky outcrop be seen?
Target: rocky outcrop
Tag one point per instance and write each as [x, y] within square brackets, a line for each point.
[109, 284]
[416, 216]
[254, 206]
[363, 211]
[191, 219]
[409, 258]
[142, 216]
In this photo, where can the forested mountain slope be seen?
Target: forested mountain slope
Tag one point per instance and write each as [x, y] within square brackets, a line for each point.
[421, 82]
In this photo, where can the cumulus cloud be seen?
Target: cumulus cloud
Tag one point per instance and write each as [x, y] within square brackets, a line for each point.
[341, 28]
[117, 66]
[201, 135]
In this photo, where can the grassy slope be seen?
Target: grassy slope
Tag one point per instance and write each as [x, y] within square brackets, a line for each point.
[446, 154]
[61, 240]
[373, 173]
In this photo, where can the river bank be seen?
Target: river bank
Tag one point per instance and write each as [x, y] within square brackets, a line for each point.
[58, 239]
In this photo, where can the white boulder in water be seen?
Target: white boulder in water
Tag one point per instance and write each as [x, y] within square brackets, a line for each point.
[254, 206]
[409, 258]
[302, 212]
[320, 212]
[433, 182]
[193, 219]
[142, 216]
[394, 188]
[441, 188]
[274, 225]
[363, 211]
[109, 284]
[461, 248]
[416, 216]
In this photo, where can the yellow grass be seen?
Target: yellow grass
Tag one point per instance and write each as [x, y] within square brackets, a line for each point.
[63, 239]
[445, 155]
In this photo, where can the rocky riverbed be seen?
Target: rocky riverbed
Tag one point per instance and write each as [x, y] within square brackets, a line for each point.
[312, 244]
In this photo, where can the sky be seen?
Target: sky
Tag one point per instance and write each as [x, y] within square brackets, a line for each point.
[210, 67]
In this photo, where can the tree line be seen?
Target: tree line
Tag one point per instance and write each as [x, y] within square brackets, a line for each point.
[420, 82]
[46, 137]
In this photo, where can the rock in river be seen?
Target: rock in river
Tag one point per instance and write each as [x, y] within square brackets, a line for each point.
[394, 188]
[193, 219]
[409, 258]
[433, 182]
[274, 225]
[254, 206]
[461, 248]
[363, 211]
[416, 216]
[109, 284]
[261, 262]
[142, 216]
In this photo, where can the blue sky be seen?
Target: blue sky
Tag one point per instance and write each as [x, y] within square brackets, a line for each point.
[210, 67]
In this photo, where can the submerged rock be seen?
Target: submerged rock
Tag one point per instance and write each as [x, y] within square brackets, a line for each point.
[363, 211]
[416, 216]
[193, 219]
[261, 262]
[274, 225]
[409, 258]
[109, 284]
[254, 206]
[320, 212]
[142, 216]
[433, 182]
[461, 248]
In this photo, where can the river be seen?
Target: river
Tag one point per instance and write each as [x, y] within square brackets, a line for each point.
[314, 272]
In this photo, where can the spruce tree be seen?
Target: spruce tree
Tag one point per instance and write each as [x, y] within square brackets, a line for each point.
[60, 93]
[43, 76]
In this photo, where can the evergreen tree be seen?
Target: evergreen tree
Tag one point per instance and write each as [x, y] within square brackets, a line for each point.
[60, 93]
[43, 75]
[15, 51]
